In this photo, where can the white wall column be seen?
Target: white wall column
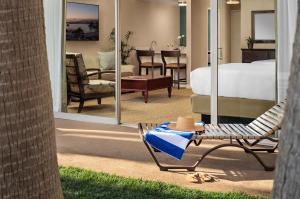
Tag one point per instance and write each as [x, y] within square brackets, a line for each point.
[214, 62]
[118, 60]
[189, 40]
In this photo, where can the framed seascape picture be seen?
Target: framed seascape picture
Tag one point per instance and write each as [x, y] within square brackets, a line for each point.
[82, 22]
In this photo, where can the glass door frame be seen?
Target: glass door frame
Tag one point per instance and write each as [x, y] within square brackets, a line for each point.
[214, 61]
[118, 61]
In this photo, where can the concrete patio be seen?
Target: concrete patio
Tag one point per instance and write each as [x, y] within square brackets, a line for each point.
[119, 150]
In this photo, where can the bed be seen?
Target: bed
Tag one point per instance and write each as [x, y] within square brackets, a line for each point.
[245, 89]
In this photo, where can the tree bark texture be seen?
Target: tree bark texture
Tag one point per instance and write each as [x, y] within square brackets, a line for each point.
[28, 161]
[287, 178]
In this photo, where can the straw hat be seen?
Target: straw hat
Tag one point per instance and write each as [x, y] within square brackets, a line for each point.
[185, 124]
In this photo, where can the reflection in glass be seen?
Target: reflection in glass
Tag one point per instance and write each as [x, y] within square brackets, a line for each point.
[246, 73]
[90, 59]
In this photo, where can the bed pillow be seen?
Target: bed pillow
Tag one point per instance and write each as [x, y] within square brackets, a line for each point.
[107, 60]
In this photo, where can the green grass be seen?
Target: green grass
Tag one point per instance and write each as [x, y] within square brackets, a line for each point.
[83, 184]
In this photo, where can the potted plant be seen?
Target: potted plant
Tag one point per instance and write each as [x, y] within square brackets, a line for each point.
[250, 42]
[126, 48]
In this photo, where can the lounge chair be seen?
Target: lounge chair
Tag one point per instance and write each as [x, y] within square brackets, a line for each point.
[263, 128]
[79, 85]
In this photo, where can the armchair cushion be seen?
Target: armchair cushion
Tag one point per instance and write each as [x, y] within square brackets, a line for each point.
[126, 70]
[99, 86]
[107, 60]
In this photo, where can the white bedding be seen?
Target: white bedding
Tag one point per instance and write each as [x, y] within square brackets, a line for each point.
[252, 81]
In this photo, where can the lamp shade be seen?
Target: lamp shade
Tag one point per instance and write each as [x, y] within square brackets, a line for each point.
[233, 2]
[182, 3]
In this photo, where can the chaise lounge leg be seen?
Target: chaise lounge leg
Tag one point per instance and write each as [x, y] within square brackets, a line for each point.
[193, 167]
[269, 150]
[99, 101]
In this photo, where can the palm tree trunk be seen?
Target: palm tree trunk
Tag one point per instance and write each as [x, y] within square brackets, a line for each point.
[28, 162]
[287, 179]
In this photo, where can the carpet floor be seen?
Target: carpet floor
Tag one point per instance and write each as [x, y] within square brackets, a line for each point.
[159, 108]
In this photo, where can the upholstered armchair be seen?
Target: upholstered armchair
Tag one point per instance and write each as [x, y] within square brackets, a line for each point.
[107, 66]
[80, 86]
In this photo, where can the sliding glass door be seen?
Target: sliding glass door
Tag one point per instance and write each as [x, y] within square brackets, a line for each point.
[246, 59]
[242, 81]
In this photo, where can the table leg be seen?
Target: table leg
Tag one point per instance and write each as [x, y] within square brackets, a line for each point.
[146, 94]
[170, 91]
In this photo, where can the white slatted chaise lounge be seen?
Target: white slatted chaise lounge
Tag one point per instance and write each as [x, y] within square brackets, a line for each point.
[263, 128]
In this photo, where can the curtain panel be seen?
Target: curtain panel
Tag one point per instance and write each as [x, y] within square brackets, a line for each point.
[53, 11]
[287, 20]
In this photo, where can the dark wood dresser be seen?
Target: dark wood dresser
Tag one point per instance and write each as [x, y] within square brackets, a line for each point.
[251, 55]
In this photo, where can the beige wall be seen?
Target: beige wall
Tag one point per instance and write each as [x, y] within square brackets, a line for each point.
[236, 53]
[199, 33]
[149, 20]
[246, 7]
[225, 31]
[159, 20]
[199, 49]
[89, 49]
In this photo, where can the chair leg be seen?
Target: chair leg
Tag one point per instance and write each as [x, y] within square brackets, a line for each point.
[99, 101]
[161, 70]
[80, 105]
[140, 71]
[172, 74]
[178, 78]
[68, 100]
[147, 71]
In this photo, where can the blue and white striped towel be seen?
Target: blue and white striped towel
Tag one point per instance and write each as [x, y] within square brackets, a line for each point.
[169, 141]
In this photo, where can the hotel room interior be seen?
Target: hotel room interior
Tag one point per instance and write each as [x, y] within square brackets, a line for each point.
[246, 58]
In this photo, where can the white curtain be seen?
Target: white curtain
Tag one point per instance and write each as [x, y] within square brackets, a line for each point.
[287, 20]
[53, 10]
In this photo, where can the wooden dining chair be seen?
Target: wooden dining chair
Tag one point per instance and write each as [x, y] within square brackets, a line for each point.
[173, 65]
[147, 65]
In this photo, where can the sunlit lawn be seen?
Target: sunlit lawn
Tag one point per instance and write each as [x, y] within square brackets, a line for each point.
[83, 184]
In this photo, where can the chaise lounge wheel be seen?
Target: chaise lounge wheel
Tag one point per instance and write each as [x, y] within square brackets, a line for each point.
[269, 168]
[191, 169]
[246, 151]
[271, 151]
[163, 169]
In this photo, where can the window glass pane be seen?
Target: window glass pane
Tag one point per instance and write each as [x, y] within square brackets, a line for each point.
[247, 67]
[90, 58]
[182, 25]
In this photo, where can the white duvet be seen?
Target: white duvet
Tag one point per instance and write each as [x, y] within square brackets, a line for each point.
[252, 81]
